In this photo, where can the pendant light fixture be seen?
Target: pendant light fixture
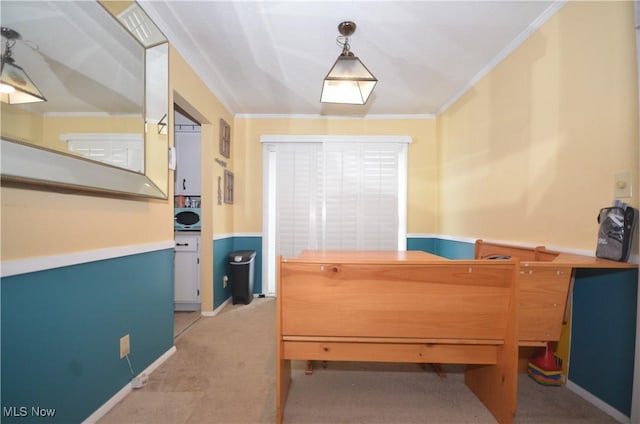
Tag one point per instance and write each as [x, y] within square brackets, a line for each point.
[15, 85]
[348, 81]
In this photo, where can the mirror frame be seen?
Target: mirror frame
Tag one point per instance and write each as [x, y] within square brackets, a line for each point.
[29, 166]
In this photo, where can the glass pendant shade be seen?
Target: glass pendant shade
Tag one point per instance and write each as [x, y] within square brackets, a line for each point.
[16, 86]
[348, 81]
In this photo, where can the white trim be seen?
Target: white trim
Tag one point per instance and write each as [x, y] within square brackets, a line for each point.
[425, 235]
[217, 310]
[514, 44]
[597, 402]
[246, 235]
[269, 285]
[326, 117]
[122, 393]
[230, 235]
[403, 203]
[288, 138]
[42, 263]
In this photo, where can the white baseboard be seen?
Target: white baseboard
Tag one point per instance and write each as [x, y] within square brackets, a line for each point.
[598, 403]
[122, 393]
[217, 310]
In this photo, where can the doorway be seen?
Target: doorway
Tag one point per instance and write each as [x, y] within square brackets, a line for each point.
[187, 221]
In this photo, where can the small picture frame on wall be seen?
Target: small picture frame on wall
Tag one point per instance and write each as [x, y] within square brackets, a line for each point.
[228, 187]
[225, 139]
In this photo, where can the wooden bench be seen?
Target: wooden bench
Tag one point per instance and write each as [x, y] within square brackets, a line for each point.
[402, 307]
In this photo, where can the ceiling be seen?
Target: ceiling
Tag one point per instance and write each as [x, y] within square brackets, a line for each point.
[270, 57]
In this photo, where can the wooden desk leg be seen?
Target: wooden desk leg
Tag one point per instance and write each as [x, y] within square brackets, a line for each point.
[283, 379]
[496, 385]
[439, 370]
[309, 369]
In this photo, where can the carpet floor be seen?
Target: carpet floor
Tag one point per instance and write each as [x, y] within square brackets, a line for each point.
[224, 372]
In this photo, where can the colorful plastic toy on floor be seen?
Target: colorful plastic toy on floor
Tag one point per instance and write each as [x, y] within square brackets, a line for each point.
[544, 369]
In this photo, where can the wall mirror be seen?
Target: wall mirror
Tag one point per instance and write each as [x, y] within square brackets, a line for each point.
[103, 69]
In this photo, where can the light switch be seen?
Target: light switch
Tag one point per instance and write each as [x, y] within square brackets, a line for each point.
[623, 185]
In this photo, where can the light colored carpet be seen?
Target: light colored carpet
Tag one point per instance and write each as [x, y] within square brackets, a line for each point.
[224, 372]
[182, 320]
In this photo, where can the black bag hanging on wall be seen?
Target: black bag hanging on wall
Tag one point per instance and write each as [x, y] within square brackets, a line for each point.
[616, 232]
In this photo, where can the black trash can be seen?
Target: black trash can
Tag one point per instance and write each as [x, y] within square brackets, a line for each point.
[242, 263]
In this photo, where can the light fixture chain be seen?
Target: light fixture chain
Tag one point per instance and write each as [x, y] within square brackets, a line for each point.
[343, 41]
[8, 46]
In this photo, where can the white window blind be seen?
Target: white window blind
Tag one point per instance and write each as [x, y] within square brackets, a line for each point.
[332, 192]
[297, 203]
[360, 196]
[337, 196]
[118, 149]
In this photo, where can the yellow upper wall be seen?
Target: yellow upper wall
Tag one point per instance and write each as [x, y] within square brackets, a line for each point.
[422, 163]
[20, 125]
[41, 223]
[530, 152]
[189, 92]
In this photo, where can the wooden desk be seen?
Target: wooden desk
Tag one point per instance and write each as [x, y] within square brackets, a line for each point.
[544, 257]
[544, 282]
[401, 307]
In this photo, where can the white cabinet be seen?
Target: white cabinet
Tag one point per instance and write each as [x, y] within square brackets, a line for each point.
[187, 163]
[187, 272]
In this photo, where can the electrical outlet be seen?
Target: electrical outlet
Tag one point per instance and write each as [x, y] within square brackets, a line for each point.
[124, 346]
[225, 281]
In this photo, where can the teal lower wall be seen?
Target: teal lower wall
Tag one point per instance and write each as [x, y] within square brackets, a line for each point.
[446, 248]
[61, 330]
[603, 331]
[221, 250]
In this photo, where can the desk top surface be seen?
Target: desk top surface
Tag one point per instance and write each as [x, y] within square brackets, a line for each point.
[562, 259]
[581, 261]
